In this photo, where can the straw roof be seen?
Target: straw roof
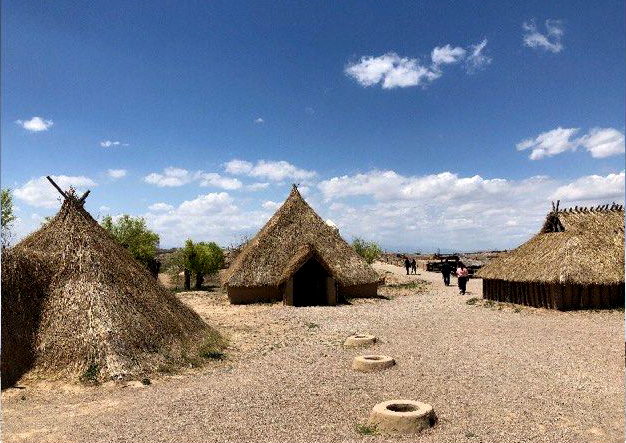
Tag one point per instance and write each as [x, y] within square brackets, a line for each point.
[22, 281]
[99, 308]
[577, 245]
[293, 235]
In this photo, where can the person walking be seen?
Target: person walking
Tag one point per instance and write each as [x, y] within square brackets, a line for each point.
[407, 264]
[414, 266]
[463, 276]
[446, 270]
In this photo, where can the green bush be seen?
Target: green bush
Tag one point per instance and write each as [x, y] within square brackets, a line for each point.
[7, 216]
[200, 259]
[134, 235]
[368, 250]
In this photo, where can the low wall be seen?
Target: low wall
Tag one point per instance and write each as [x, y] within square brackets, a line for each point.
[260, 294]
[263, 294]
[358, 291]
[555, 296]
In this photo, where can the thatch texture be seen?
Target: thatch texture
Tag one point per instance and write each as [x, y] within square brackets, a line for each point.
[97, 308]
[23, 280]
[582, 246]
[294, 234]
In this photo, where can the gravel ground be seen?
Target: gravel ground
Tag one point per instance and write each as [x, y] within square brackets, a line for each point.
[492, 373]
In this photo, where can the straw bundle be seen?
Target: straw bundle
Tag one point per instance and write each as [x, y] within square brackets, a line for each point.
[576, 246]
[77, 300]
[294, 234]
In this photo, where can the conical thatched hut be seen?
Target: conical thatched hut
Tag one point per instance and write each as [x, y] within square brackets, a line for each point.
[298, 258]
[576, 261]
[76, 303]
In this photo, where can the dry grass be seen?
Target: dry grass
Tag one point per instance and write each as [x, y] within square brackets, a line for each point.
[590, 250]
[293, 235]
[95, 306]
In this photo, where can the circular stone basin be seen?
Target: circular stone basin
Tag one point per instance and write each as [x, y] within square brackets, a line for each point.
[360, 340]
[402, 417]
[369, 363]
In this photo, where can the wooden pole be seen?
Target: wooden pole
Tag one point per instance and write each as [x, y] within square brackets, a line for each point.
[82, 199]
[56, 186]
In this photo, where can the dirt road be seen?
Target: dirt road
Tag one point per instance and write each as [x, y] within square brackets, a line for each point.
[494, 373]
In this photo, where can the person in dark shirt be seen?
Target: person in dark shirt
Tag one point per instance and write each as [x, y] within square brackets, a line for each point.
[407, 265]
[414, 266]
[446, 270]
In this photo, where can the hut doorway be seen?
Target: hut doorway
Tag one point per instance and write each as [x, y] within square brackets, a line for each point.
[310, 284]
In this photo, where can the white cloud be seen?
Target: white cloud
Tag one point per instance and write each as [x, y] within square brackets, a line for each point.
[257, 186]
[269, 170]
[205, 203]
[447, 55]
[39, 192]
[208, 217]
[104, 208]
[238, 167]
[160, 207]
[217, 180]
[550, 41]
[476, 60]
[438, 210]
[35, 124]
[600, 142]
[270, 205]
[259, 120]
[548, 144]
[279, 170]
[385, 185]
[378, 184]
[403, 212]
[108, 143]
[450, 211]
[603, 142]
[391, 70]
[593, 187]
[171, 177]
[116, 173]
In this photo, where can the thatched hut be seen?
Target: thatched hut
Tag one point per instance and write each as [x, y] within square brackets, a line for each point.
[76, 303]
[576, 261]
[298, 258]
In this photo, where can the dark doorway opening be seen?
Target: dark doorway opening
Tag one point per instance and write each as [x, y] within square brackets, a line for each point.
[309, 284]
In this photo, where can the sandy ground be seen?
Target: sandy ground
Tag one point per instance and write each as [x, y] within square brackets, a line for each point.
[492, 373]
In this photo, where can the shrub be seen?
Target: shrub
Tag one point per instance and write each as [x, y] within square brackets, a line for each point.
[200, 259]
[366, 429]
[212, 347]
[134, 235]
[90, 376]
[368, 250]
[7, 216]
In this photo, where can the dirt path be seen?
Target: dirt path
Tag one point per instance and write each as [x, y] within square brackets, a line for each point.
[491, 373]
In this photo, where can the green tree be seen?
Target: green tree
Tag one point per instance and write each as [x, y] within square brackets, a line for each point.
[201, 259]
[368, 250]
[134, 235]
[7, 216]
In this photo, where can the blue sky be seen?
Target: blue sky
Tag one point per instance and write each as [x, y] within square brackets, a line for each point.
[419, 125]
